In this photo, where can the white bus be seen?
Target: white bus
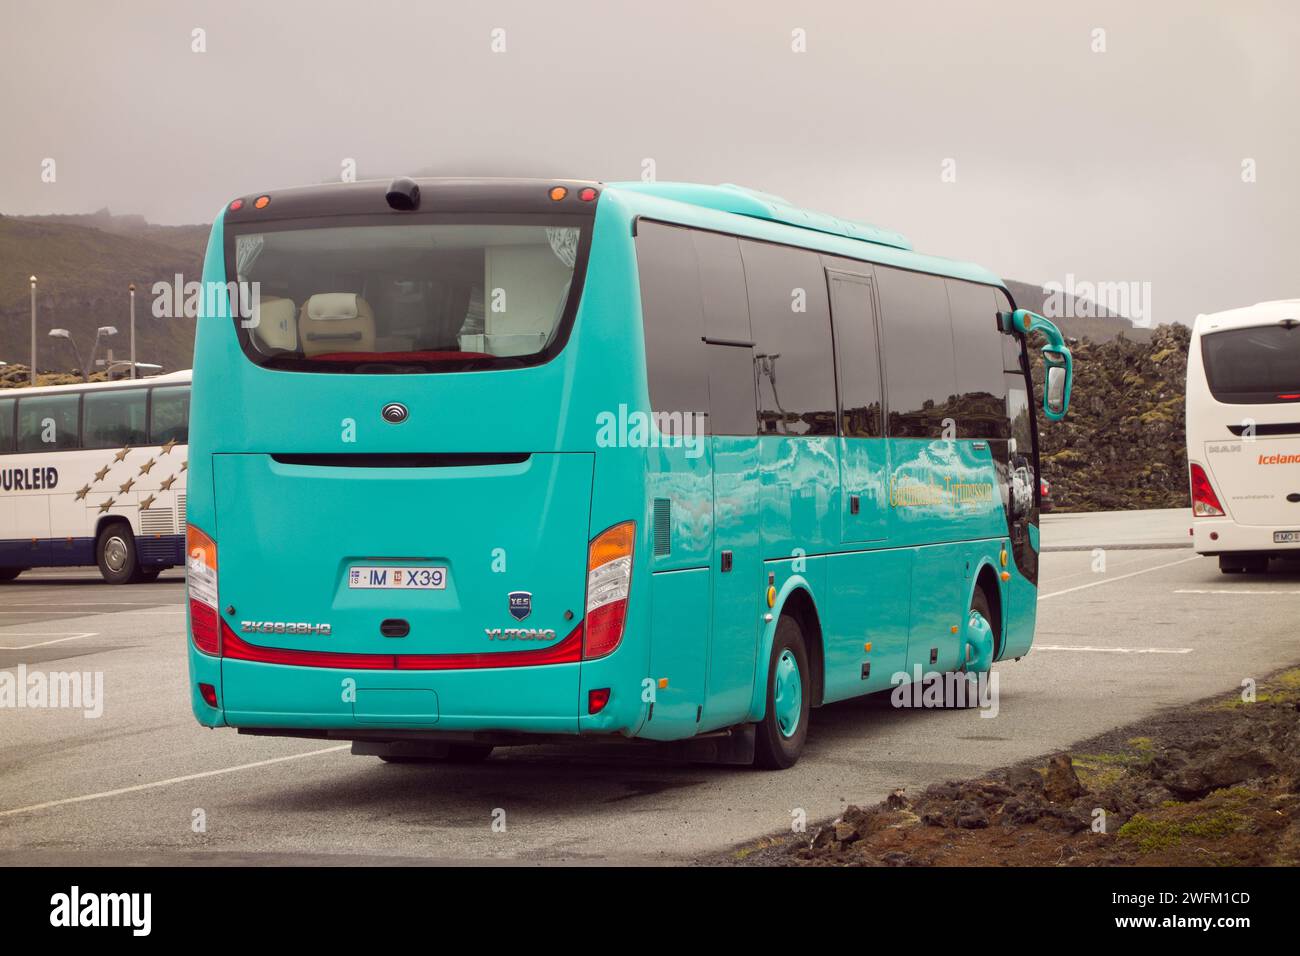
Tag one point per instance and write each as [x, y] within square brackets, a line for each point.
[95, 474]
[1243, 434]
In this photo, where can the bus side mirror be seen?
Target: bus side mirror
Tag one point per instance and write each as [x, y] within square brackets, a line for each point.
[1057, 362]
[1057, 382]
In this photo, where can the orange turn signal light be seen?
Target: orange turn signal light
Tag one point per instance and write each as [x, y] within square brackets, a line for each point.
[262, 202]
[558, 192]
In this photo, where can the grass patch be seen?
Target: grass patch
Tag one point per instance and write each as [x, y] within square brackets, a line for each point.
[1150, 835]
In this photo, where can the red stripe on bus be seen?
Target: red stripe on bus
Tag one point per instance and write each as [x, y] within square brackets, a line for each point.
[567, 651]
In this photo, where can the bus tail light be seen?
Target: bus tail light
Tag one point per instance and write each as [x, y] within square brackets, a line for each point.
[1205, 503]
[609, 578]
[201, 585]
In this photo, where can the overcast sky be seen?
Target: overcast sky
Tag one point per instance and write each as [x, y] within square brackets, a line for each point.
[1117, 166]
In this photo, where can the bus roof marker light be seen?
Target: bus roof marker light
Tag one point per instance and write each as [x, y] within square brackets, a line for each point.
[262, 202]
[587, 194]
[557, 193]
[237, 205]
[403, 194]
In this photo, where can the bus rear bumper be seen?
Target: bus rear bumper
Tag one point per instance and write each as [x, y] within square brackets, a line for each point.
[531, 700]
[1230, 537]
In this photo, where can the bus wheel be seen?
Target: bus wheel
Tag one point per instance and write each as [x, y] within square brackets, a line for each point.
[8, 574]
[456, 753]
[115, 553]
[978, 653]
[780, 736]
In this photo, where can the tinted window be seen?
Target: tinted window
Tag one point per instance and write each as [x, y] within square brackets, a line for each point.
[857, 352]
[6, 424]
[170, 417]
[919, 367]
[670, 307]
[1247, 366]
[793, 358]
[48, 422]
[114, 418]
[980, 410]
[731, 390]
[722, 288]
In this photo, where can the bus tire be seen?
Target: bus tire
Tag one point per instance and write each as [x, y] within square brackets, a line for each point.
[8, 574]
[115, 553]
[968, 696]
[779, 737]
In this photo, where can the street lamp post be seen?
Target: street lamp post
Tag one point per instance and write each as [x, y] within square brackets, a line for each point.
[101, 332]
[33, 368]
[132, 330]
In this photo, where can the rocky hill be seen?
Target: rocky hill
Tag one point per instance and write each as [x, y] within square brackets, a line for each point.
[84, 265]
[1122, 444]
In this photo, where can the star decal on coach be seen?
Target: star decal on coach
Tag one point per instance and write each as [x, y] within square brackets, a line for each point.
[185, 465]
[167, 484]
[82, 492]
[121, 455]
[106, 505]
[144, 469]
[102, 473]
[167, 448]
[148, 502]
[126, 485]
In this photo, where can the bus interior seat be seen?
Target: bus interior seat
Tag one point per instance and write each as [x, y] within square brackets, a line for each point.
[336, 322]
[277, 326]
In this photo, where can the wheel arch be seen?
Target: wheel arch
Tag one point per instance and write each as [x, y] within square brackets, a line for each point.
[988, 581]
[795, 598]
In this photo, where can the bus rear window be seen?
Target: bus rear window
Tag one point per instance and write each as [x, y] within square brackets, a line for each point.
[409, 297]
[1253, 366]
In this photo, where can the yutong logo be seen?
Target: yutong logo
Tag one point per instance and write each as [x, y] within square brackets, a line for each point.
[519, 634]
[282, 627]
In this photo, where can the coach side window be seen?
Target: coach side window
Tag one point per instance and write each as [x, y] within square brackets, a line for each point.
[920, 371]
[169, 419]
[729, 351]
[670, 309]
[981, 404]
[793, 357]
[113, 419]
[6, 425]
[857, 351]
[48, 422]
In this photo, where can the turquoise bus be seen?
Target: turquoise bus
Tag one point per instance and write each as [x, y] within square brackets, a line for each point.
[492, 462]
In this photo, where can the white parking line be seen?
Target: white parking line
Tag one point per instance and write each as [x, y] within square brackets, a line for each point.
[1113, 650]
[1118, 577]
[57, 640]
[168, 782]
[1232, 591]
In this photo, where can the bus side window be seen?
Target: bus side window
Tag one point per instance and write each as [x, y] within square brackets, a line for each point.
[920, 370]
[113, 419]
[6, 425]
[793, 357]
[169, 419]
[670, 308]
[858, 355]
[726, 319]
[48, 422]
[981, 407]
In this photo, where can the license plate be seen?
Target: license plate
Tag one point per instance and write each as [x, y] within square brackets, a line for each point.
[398, 578]
[1286, 537]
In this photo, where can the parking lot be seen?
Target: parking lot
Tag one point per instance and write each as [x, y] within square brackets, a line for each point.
[1158, 627]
